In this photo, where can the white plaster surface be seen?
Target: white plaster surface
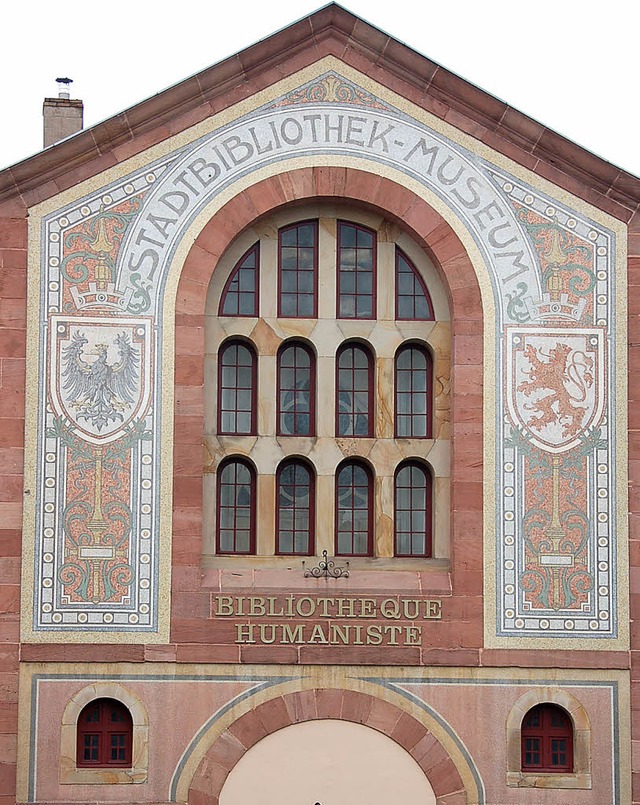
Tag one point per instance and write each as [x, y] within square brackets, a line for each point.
[327, 762]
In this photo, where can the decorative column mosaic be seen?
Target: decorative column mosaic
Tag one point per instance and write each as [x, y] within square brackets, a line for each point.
[105, 259]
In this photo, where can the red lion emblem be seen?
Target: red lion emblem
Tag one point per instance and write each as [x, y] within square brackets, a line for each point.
[567, 374]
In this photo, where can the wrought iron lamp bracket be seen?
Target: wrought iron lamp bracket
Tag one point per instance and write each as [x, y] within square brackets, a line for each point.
[326, 569]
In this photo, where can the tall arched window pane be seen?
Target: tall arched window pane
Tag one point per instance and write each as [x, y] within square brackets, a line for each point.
[240, 295]
[295, 509]
[296, 391]
[298, 270]
[105, 735]
[413, 393]
[236, 508]
[356, 272]
[354, 414]
[412, 297]
[354, 511]
[547, 740]
[412, 511]
[236, 389]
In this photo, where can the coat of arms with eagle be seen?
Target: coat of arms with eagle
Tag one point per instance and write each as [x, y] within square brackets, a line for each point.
[97, 390]
[100, 373]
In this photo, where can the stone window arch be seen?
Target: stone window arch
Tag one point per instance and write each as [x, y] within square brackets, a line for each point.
[580, 777]
[70, 771]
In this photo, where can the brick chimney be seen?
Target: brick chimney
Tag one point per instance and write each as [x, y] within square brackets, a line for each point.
[62, 116]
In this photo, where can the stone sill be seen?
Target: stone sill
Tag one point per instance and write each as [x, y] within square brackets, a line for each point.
[103, 776]
[408, 576]
[517, 779]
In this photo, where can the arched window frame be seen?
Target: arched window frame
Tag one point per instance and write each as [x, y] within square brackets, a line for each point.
[102, 732]
[343, 467]
[311, 409]
[227, 345]
[70, 772]
[284, 465]
[230, 461]
[580, 777]
[552, 759]
[352, 412]
[299, 271]
[361, 277]
[400, 389]
[243, 293]
[418, 284]
[427, 553]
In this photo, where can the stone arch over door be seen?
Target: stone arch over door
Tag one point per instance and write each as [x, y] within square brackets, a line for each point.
[462, 279]
[450, 774]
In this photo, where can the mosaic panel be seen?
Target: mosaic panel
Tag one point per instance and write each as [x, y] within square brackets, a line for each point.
[105, 262]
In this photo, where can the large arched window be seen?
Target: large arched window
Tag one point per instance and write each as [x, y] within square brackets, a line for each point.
[354, 387]
[337, 369]
[105, 735]
[413, 392]
[356, 272]
[298, 270]
[354, 510]
[547, 740]
[413, 510]
[237, 386]
[296, 390]
[240, 295]
[236, 507]
[295, 508]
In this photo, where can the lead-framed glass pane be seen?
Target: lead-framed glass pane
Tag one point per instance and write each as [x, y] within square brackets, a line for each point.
[354, 510]
[354, 385]
[235, 531]
[298, 270]
[236, 389]
[413, 511]
[240, 294]
[296, 391]
[295, 509]
[413, 393]
[356, 272]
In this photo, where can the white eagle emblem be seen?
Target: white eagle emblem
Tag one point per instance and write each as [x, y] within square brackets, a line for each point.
[100, 392]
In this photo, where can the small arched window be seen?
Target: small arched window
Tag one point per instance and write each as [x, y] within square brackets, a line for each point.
[413, 302]
[236, 520]
[413, 384]
[413, 509]
[354, 510]
[354, 385]
[240, 295]
[298, 270]
[237, 370]
[296, 390]
[547, 740]
[295, 509]
[105, 735]
[356, 272]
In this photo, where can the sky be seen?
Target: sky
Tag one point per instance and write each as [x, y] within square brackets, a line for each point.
[566, 63]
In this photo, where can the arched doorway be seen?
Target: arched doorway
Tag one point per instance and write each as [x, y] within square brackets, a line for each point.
[327, 762]
[442, 761]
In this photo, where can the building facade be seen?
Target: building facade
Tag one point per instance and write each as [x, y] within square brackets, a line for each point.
[318, 445]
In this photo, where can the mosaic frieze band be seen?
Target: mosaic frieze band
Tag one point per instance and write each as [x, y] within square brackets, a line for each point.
[105, 263]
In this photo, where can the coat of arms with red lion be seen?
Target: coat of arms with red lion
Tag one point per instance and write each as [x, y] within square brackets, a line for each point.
[555, 384]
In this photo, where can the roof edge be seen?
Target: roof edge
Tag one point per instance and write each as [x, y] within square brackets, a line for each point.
[330, 30]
